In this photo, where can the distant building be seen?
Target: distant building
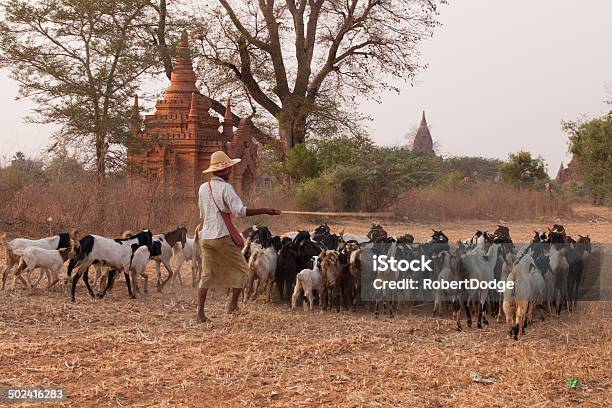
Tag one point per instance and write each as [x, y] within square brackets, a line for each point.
[423, 143]
[175, 145]
[569, 173]
[265, 181]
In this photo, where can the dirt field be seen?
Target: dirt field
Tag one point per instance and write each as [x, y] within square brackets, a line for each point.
[150, 352]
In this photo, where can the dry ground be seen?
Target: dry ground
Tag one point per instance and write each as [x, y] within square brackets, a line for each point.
[149, 351]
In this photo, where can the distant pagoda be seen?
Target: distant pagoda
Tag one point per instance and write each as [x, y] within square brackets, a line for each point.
[423, 144]
[569, 173]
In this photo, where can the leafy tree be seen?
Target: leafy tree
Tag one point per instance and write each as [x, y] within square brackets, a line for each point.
[523, 171]
[80, 61]
[369, 182]
[21, 172]
[302, 163]
[341, 150]
[302, 59]
[475, 168]
[591, 143]
[63, 165]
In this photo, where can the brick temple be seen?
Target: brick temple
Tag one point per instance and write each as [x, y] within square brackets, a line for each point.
[175, 144]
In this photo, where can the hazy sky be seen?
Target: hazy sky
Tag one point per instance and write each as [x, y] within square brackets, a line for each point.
[502, 75]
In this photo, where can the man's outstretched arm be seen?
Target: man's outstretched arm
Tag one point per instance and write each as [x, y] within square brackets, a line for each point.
[260, 211]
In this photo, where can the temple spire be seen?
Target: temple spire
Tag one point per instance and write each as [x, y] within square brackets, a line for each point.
[228, 111]
[135, 114]
[228, 120]
[423, 143]
[184, 43]
[183, 77]
[560, 173]
[193, 109]
[423, 121]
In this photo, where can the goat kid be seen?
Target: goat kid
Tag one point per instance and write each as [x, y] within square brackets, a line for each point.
[48, 260]
[306, 282]
[63, 240]
[182, 254]
[167, 240]
[262, 265]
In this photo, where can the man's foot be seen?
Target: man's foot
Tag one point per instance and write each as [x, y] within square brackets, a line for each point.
[234, 310]
[203, 319]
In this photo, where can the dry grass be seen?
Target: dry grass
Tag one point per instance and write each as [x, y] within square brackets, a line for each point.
[150, 352]
[485, 201]
[74, 203]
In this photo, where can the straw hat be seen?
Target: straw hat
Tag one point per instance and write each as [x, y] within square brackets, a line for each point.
[219, 161]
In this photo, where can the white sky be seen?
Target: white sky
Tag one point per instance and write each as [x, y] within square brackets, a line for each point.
[502, 75]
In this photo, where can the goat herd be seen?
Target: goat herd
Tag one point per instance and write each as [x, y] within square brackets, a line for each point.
[331, 268]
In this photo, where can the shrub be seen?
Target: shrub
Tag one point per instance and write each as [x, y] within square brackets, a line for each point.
[523, 171]
[302, 163]
[308, 195]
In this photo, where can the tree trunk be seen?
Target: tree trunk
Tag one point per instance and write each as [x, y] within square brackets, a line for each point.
[100, 177]
[100, 158]
[291, 129]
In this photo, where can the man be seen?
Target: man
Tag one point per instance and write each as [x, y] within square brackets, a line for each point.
[223, 265]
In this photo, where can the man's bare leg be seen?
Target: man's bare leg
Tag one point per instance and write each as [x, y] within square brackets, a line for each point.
[233, 306]
[201, 301]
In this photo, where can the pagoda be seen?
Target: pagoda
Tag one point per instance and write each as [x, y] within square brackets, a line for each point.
[423, 144]
[175, 143]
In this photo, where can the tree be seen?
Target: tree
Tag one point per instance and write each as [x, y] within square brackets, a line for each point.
[63, 166]
[476, 168]
[296, 59]
[591, 144]
[21, 172]
[523, 171]
[80, 61]
[302, 163]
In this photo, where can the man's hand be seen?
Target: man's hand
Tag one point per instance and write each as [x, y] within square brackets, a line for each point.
[258, 211]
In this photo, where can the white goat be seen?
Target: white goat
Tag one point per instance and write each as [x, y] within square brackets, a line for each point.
[116, 253]
[138, 267]
[307, 281]
[262, 265]
[182, 254]
[506, 269]
[476, 266]
[167, 241]
[63, 240]
[448, 271]
[196, 270]
[528, 292]
[556, 278]
[347, 236]
[48, 260]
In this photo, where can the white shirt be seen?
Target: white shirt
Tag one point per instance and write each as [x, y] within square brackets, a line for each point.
[226, 198]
